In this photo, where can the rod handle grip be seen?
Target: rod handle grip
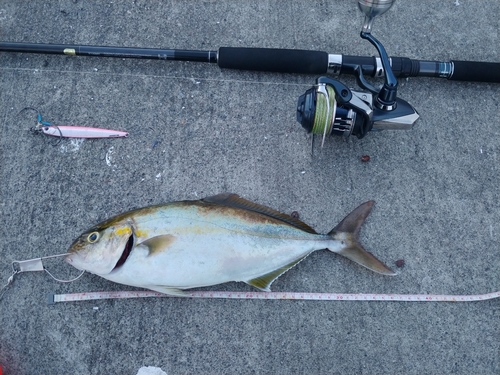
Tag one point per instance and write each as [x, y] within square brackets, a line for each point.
[475, 71]
[273, 60]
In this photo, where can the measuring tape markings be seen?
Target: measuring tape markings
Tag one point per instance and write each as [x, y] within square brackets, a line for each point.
[74, 297]
[37, 265]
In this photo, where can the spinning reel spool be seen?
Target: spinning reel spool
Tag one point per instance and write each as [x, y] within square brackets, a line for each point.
[331, 108]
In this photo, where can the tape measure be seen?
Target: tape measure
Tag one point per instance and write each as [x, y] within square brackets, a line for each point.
[298, 296]
[37, 265]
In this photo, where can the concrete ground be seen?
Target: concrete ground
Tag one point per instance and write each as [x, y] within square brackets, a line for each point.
[195, 131]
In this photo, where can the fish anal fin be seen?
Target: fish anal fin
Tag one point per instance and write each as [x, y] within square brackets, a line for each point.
[168, 290]
[234, 200]
[264, 282]
[158, 244]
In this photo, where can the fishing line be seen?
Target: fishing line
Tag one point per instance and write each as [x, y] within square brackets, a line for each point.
[157, 76]
[40, 124]
[35, 264]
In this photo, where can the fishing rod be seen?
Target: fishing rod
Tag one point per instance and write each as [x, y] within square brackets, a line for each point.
[284, 60]
[280, 60]
[329, 107]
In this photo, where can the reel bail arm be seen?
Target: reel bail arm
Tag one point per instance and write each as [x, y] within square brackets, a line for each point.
[386, 98]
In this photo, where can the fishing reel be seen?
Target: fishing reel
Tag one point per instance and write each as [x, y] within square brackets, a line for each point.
[331, 108]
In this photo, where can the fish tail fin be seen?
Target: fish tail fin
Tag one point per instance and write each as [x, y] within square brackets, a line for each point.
[347, 232]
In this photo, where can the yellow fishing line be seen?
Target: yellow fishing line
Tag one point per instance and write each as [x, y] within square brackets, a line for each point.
[320, 117]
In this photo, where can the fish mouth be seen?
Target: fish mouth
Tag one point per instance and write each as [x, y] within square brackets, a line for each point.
[126, 252]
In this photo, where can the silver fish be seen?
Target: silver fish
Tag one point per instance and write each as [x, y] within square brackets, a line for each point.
[188, 244]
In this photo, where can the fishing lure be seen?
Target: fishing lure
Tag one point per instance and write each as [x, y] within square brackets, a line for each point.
[65, 131]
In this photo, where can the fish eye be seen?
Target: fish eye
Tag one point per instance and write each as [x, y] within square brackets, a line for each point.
[93, 237]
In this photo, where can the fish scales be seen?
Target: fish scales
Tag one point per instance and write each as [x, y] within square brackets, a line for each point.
[224, 238]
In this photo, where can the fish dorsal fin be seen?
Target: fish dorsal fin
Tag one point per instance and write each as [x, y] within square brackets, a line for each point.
[264, 282]
[234, 200]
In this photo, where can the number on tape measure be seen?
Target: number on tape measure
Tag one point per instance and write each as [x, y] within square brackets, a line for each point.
[55, 298]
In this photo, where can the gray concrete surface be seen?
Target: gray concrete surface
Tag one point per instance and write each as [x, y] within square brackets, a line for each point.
[196, 131]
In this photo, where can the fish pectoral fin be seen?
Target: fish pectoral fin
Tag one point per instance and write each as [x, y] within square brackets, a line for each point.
[168, 290]
[158, 244]
[264, 282]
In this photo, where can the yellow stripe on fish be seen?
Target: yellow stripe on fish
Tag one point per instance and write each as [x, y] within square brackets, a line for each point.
[223, 238]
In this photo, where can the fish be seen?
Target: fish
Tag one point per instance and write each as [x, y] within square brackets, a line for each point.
[188, 244]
